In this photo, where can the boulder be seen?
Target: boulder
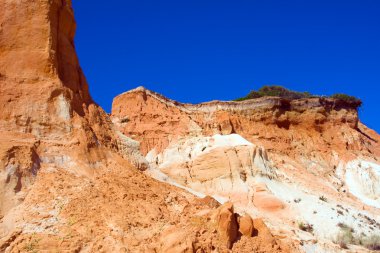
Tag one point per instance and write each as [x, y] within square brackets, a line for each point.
[263, 232]
[246, 227]
[227, 225]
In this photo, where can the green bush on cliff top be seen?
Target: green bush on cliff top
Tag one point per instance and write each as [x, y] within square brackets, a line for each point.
[279, 91]
[349, 99]
[275, 91]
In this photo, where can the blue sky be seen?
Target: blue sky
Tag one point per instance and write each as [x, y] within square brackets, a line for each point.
[201, 50]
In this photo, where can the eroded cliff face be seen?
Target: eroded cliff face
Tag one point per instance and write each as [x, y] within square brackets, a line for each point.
[305, 129]
[156, 120]
[65, 183]
[43, 88]
[47, 115]
[300, 161]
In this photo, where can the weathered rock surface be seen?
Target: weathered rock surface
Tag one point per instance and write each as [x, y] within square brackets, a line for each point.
[283, 121]
[221, 225]
[286, 161]
[246, 227]
[65, 183]
[227, 225]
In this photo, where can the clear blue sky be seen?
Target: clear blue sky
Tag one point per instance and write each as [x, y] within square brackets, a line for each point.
[200, 50]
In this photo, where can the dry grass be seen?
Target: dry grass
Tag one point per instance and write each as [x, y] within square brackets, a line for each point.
[372, 242]
[346, 237]
[306, 227]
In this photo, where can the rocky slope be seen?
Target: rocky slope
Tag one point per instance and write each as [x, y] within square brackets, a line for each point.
[65, 182]
[306, 164]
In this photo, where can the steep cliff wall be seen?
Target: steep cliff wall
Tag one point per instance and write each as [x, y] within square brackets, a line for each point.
[64, 184]
[45, 104]
[289, 126]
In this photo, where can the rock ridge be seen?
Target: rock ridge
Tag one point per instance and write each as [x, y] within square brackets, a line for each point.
[250, 104]
[223, 117]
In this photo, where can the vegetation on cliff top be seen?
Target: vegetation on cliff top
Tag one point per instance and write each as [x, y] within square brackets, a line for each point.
[279, 91]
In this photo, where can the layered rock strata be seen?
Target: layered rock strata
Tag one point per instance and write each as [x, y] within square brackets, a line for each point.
[65, 182]
[292, 162]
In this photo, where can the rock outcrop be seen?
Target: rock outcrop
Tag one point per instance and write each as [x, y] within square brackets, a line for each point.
[220, 166]
[288, 161]
[246, 227]
[65, 182]
[283, 121]
[221, 225]
[227, 225]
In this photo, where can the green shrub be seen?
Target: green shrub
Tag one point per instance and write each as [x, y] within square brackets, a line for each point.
[279, 91]
[275, 91]
[348, 99]
[305, 227]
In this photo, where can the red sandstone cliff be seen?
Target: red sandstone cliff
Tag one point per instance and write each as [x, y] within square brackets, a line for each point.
[275, 123]
[290, 161]
[64, 185]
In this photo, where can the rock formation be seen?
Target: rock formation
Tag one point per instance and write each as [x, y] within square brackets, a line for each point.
[246, 227]
[291, 162]
[227, 224]
[65, 182]
[48, 117]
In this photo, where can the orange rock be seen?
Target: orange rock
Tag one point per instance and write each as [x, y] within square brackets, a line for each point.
[303, 144]
[263, 231]
[64, 178]
[209, 202]
[292, 128]
[246, 225]
[267, 202]
[64, 174]
[227, 225]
